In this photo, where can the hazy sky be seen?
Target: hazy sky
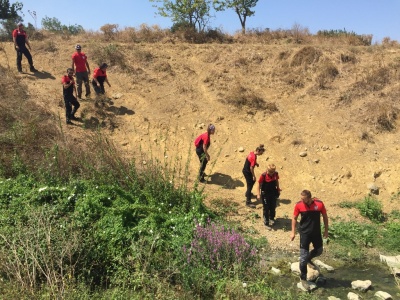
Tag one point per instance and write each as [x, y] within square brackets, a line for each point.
[377, 17]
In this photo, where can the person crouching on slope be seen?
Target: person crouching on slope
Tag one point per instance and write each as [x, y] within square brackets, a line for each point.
[248, 172]
[99, 77]
[202, 143]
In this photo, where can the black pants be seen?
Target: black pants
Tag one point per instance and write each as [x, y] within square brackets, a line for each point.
[24, 51]
[82, 77]
[305, 254]
[98, 89]
[70, 101]
[250, 183]
[269, 207]
[203, 161]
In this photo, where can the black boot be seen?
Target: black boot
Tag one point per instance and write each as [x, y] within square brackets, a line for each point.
[72, 117]
[249, 204]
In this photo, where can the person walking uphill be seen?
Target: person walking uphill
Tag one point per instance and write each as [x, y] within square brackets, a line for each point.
[248, 172]
[270, 192]
[99, 77]
[69, 87]
[311, 210]
[20, 39]
[82, 70]
[202, 143]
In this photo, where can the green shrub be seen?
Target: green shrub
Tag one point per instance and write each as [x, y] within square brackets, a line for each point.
[372, 209]
[390, 237]
[353, 234]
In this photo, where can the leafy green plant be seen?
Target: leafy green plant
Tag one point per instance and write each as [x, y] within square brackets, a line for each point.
[352, 237]
[372, 209]
[390, 241]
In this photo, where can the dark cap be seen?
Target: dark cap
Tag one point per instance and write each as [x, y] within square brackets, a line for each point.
[103, 66]
[78, 47]
[20, 24]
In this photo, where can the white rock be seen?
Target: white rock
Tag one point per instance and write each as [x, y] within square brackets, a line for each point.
[333, 298]
[275, 271]
[352, 296]
[383, 295]
[312, 285]
[117, 96]
[303, 154]
[311, 273]
[361, 285]
[241, 149]
[323, 265]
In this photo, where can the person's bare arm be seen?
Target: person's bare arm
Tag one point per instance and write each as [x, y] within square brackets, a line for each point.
[206, 152]
[326, 224]
[294, 222]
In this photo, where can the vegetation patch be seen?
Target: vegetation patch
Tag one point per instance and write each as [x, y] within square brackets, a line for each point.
[306, 56]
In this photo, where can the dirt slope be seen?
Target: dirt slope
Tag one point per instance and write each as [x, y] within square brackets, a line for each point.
[336, 103]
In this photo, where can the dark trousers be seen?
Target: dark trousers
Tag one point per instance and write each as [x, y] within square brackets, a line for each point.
[305, 254]
[82, 76]
[269, 207]
[70, 101]
[250, 183]
[24, 51]
[98, 89]
[203, 162]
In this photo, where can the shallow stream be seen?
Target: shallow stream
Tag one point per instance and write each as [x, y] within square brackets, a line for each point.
[338, 282]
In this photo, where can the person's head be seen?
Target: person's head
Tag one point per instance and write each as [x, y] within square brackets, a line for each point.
[103, 66]
[78, 47]
[211, 129]
[271, 169]
[306, 196]
[70, 72]
[20, 25]
[260, 149]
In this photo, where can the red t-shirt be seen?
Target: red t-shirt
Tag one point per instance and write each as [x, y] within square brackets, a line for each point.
[202, 139]
[310, 222]
[66, 79]
[252, 158]
[99, 72]
[268, 178]
[80, 61]
[20, 37]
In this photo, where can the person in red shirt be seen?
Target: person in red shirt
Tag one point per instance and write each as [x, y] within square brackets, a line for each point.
[248, 172]
[20, 39]
[99, 77]
[268, 187]
[310, 210]
[69, 87]
[202, 143]
[82, 70]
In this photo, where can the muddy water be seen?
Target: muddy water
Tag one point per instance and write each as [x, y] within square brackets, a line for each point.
[338, 283]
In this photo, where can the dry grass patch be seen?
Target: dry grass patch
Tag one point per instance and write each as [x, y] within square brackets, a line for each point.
[110, 54]
[374, 81]
[306, 56]
[241, 97]
[23, 125]
[327, 73]
[382, 116]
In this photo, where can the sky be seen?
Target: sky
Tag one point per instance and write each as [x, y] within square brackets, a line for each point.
[377, 17]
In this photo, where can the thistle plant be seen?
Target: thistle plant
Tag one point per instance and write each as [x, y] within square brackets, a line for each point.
[219, 249]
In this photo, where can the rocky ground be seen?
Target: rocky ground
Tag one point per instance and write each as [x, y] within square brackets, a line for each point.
[328, 122]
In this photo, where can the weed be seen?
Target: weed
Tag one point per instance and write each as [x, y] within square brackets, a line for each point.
[372, 209]
[346, 204]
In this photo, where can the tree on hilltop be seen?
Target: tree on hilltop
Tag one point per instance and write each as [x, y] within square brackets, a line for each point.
[10, 12]
[195, 13]
[241, 7]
